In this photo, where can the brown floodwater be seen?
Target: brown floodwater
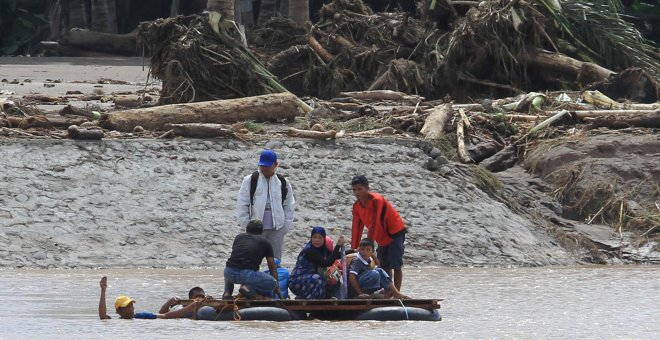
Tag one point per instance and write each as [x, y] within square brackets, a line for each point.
[529, 303]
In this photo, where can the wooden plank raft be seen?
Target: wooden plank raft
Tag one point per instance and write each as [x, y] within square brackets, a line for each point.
[323, 305]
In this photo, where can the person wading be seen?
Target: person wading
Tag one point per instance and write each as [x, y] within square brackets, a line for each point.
[268, 197]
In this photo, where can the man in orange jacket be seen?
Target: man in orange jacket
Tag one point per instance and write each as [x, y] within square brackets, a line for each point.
[384, 225]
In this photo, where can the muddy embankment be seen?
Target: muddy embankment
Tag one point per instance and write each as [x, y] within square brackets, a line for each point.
[150, 203]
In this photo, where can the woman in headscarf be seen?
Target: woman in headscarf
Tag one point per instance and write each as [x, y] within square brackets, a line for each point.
[305, 281]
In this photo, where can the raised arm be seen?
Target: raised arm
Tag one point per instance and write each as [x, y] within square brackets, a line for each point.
[173, 301]
[103, 313]
[191, 308]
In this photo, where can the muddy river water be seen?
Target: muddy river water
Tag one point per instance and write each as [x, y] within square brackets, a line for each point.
[527, 303]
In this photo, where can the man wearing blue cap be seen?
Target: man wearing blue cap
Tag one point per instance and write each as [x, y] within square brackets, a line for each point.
[268, 197]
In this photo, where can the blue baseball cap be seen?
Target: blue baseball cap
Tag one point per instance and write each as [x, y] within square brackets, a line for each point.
[267, 158]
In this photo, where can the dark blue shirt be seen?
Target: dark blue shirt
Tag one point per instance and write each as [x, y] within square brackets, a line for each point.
[358, 265]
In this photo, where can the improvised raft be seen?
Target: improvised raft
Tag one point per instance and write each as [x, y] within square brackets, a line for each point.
[328, 309]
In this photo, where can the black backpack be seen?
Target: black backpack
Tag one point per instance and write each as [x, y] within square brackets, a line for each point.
[253, 186]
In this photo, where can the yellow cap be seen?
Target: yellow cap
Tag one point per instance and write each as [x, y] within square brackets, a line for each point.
[122, 301]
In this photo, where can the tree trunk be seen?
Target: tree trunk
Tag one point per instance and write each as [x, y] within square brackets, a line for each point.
[125, 44]
[77, 14]
[270, 107]
[267, 10]
[621, 120]
[56, 18]
[225, 7]
[299, 11]
[436, 121]
[104, 16]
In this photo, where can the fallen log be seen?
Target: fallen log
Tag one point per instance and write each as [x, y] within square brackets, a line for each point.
[78, 111]
[388, 130]
[130, 100]
[35, 122]
[508, 117]
[460, 141]
[201, 130]
[600, 113]
[649, 119]
[43, 98]
[434, 124]
[64, 122]
[583, 72]
[270, 107]
[319, 49]
[125, 44]
[312, 134]
[464, 118]
[76, 132]
[543, 125]
[377, 95]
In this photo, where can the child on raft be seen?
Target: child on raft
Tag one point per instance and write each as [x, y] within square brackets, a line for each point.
[370, 283]
[124, 306]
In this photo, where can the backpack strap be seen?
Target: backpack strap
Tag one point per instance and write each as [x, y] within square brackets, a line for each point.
[285, 190]
[253, 186]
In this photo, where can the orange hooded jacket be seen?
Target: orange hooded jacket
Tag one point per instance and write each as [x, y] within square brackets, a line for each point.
[383, 221]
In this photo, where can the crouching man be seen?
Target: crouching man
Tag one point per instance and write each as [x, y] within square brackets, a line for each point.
[248, 251]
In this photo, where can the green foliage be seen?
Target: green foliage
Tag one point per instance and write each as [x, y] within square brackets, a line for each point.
[598, 29]
[502, 125]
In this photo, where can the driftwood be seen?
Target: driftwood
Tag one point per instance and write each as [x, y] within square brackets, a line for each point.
[543, 125]
[585, 73]
[311, 134]
[76, 132]
[270, 107]
[650, 119]
[77, 111]
[601, 113]
[201, 130]
[460, 141]
[43, 98]
[64, 122]
[388, 130]
[125, 44]
[319, 49]
[35, 122]
[130, 100]
[435, 122]
[377, 95]
[508, 117]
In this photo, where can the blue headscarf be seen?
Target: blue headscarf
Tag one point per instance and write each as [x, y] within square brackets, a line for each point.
[318, 230]
[322, 249]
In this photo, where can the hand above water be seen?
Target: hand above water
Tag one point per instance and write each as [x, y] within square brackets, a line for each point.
[104, 283]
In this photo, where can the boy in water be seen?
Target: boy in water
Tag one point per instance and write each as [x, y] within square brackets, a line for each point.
[126, 310]
[366, 282]
[194, 294]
